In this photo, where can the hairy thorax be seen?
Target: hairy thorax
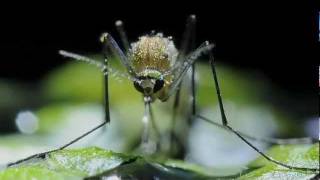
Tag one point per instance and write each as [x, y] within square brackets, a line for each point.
[153, 56]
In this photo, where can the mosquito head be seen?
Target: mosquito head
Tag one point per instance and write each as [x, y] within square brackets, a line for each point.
[151, 57]
[148, 85]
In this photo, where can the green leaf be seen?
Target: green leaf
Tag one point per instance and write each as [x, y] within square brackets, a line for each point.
[295, 155]
[143, 169]
[67, 163]
[96, 163]
[32, 172]
[86, 162]
[90, 162]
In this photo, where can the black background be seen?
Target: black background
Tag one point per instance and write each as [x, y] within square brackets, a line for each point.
[280, 40]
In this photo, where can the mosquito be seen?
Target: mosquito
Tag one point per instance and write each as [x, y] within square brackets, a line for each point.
[156, 69]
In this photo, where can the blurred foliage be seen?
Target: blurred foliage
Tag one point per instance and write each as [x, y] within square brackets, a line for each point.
[72, 97]
[79, 82]
[75, 81]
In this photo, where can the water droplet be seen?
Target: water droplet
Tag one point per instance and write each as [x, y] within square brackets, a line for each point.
[27, 122]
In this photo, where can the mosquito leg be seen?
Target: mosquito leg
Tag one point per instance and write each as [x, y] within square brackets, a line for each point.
[188, 43]
[43, 154]
[243, 138]
[106, 85]
[274, 141]
[225, 124]
[187, 63]
[106, 120]
[193, 86]
[223, 115]
[110, 44]
[123, 35]
[174, 116]
[187, 39]
[185, 43]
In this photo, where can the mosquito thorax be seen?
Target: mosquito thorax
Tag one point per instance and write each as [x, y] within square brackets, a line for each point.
[153, 52]
[152, 56]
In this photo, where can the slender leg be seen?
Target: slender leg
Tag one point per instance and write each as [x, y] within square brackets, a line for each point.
[225, 124]
[216, 83]
[193, 86]
[193, 92]
[173, 120]
[43, 154]
[106, 88]
[274, 141]
[187, 43]
[123, 35]
[179, 72]
[188, 37]
[241, 136]
[110, 44]
[106, 120]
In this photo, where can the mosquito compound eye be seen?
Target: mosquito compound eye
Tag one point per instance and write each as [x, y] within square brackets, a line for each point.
[159, 84]
[166, 56]
[138, 86]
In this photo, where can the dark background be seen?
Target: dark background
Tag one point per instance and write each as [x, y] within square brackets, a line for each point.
[279, 40]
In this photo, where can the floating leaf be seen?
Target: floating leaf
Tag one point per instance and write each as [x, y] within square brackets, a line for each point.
[294, 155]
[96, 163]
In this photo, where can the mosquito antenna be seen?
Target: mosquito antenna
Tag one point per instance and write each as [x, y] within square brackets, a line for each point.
[83, 58]
[102, 67]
